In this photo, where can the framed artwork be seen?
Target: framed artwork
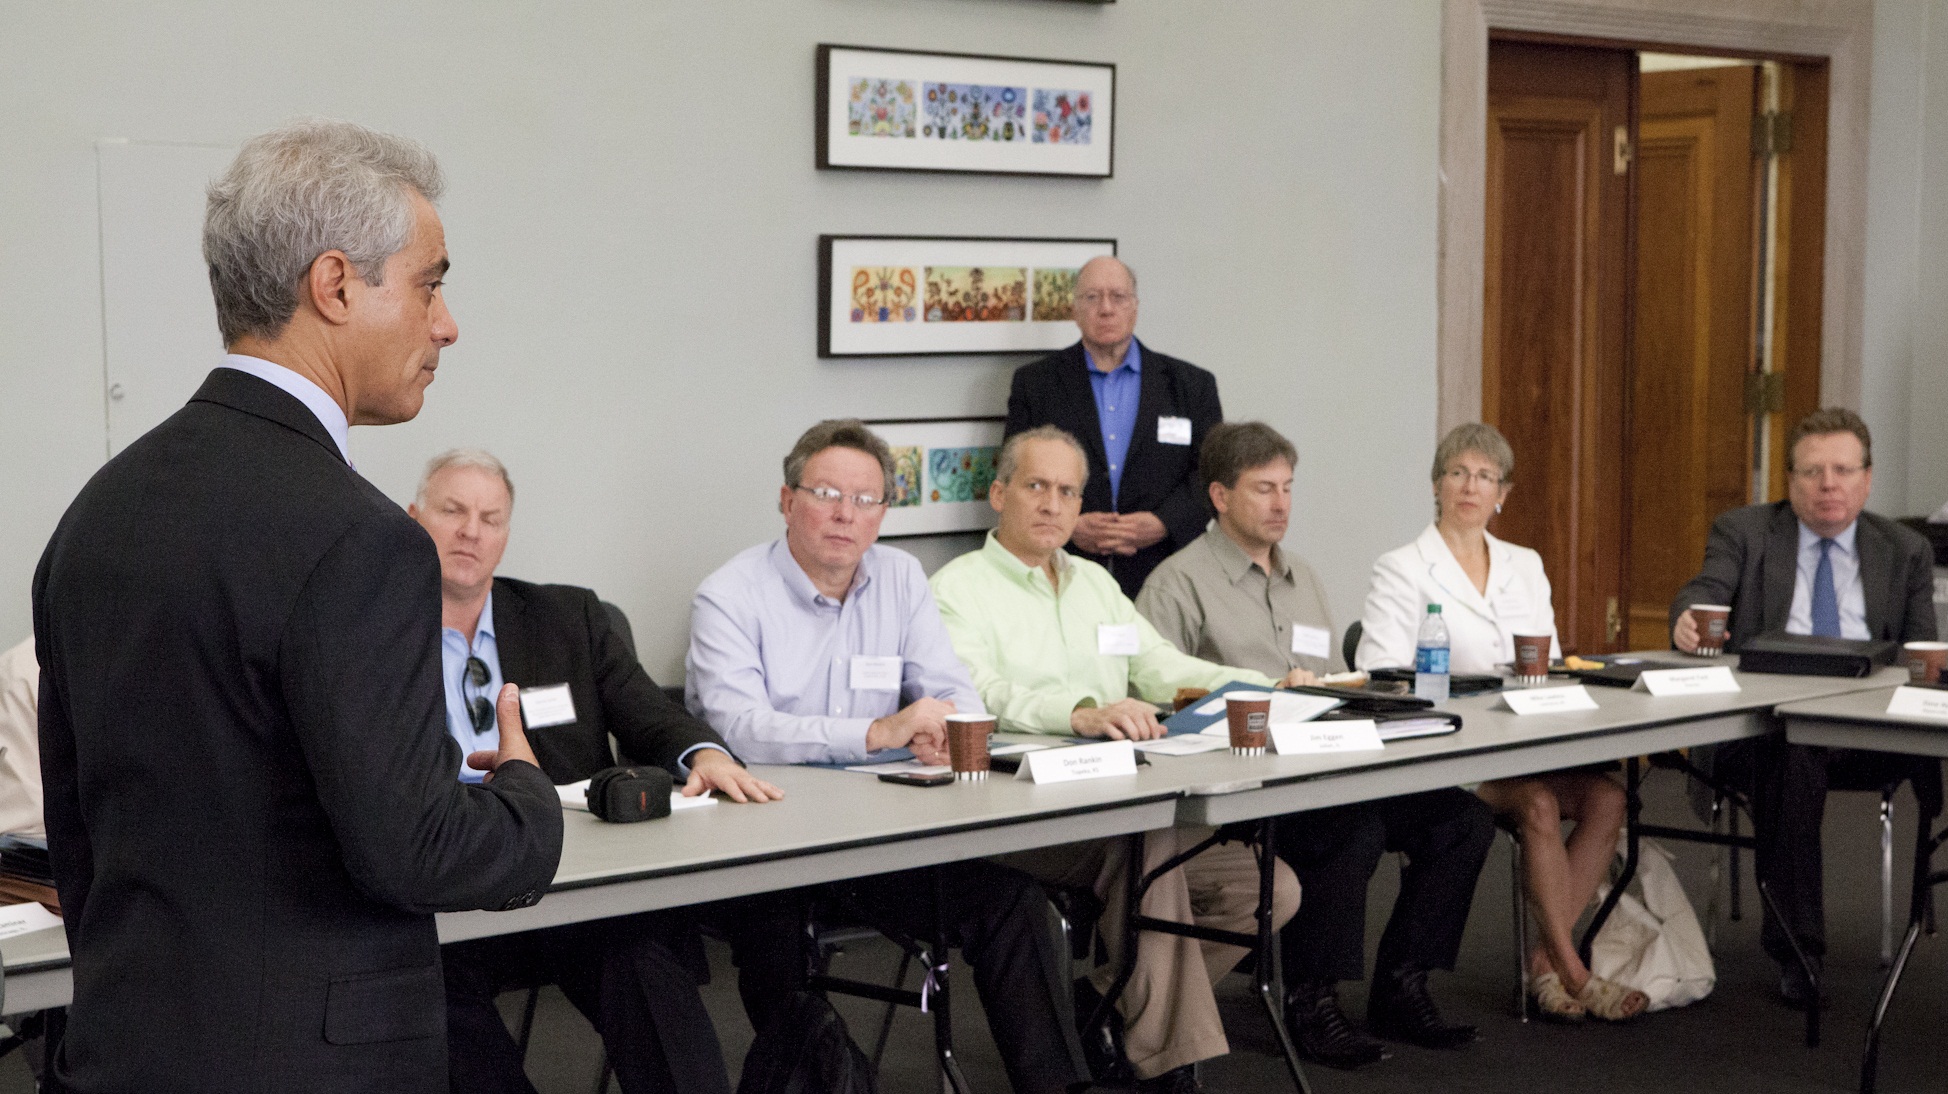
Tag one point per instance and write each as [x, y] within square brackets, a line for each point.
[896, 296]
[942, 468]
[905, 110]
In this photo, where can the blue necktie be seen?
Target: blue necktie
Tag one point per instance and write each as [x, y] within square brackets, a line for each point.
[1826, 602]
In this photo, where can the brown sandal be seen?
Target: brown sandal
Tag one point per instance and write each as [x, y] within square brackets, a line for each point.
[1553, 1001]
[1611, 1001]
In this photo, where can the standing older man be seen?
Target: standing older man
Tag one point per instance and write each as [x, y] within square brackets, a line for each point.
[1235, 596]
[634, 976]
[1056, 648]
[823, 646]
[1140, 416]
[250, 796]
[1817, 564]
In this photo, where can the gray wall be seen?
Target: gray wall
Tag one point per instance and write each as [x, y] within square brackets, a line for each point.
[633, 213]
[632, 216]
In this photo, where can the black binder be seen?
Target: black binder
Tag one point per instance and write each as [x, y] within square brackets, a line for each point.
[1807, 655]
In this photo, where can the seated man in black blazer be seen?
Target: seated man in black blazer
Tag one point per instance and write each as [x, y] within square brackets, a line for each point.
[1140, 414]
[635, 976]
[1819, 564]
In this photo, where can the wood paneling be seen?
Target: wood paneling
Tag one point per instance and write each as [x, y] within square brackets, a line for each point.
[1797, 326]
[1690, 444]
[1555, 339]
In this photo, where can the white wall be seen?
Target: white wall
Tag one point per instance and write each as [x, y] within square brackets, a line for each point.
[632, 216]
[1927, 469]
[1894, 132]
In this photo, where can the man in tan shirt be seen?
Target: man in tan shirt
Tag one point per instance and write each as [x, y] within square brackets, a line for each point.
[1233, 596]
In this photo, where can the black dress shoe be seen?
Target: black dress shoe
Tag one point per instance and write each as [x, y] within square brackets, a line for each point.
[1102, 1044]
[1795, 987]
[1400, 1009]
[1322, 1032]
[1178, 1080]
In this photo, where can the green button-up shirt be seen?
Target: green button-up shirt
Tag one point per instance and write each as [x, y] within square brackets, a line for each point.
[1033, 649]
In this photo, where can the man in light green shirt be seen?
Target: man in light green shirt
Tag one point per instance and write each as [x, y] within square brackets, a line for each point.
[1054, 646]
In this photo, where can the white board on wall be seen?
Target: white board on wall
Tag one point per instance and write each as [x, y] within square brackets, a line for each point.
[159, 336]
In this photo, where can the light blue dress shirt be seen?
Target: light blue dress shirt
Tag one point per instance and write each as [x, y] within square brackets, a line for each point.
[1846, 583]
[1117, 394]
[453, 667]
[771, 658]
[321, 405]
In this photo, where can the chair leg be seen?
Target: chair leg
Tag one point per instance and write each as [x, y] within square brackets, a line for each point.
[527, 1020]
[1718, 873]
[1521, 920]
[886, 1022]
[1736, 889]
[1887, 878]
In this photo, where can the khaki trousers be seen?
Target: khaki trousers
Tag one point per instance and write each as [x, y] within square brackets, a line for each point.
[1170, 1016]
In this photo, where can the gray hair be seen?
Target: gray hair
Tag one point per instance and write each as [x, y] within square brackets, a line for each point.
[839, 433]
[477, 458]
[1010, 458]
[1475, 437]
[294, 193]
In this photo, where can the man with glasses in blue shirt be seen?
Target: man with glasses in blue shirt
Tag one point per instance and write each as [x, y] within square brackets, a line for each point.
[1818, 564]
[824, 647]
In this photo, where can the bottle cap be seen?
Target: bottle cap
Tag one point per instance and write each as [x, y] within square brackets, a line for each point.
[1433, 609]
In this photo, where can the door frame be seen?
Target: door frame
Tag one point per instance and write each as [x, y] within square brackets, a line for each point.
[1837, 31]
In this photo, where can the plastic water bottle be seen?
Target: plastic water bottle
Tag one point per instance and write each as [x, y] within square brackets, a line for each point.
[1430, 657]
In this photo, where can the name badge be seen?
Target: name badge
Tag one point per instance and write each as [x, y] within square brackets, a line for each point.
[1705, 681]
[1064, 765]
[1548, 700]
[876, 673]
[1173, 430]
[1919, 703]
[1311, 641]
[546, 706]
[1358, 735]
[1118, 640]
[1511, 605]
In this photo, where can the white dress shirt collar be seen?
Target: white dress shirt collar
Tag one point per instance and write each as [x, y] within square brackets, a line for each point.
[322, 406]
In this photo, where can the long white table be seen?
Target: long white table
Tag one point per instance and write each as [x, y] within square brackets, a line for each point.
[839, 824]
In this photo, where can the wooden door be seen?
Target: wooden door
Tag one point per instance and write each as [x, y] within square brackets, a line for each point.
[1690, 438]
[1555, 340]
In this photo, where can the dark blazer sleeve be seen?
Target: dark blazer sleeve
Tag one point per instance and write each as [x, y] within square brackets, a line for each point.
[1021, 405]
[648, 726]
[1724, 566]
[1918, 568]
[1185, 510]
[360, 664]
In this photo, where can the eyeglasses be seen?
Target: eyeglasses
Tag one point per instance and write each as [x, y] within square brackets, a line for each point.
[1461, 476]
[1114, 298]
[1842, 472]
[479, 708]
[829, 497]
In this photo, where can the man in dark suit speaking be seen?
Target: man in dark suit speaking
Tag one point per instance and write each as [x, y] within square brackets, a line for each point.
[1141, 415]
[634, 976]
[251, 805]
[1818, 564]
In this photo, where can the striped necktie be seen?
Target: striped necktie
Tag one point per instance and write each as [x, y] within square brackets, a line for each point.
[1826, 601]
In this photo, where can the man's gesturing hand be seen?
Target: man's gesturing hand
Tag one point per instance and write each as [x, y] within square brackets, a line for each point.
[1125, 720]
[514, 740]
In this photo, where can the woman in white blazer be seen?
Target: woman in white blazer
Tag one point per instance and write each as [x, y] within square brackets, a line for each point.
[1489, 592]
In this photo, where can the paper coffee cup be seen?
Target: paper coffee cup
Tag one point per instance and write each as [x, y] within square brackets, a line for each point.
[1532, 658]
[1714, 622]
[1925, 660]
[967, 745]
[1250, 715]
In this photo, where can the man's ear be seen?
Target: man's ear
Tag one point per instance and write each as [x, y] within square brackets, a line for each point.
[326, 286]
[994, 493]
[1220, 498]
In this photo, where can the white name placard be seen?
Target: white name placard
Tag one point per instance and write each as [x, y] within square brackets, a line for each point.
[1715, 680]
[1919, 703]
[1352, 735]
[23, 918]
[1548, 700]
[1067, 765]
[547, 706]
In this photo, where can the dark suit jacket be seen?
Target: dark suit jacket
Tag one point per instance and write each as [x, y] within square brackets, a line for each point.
[251, 805]
[1752, 559]
[1157, 478]
[556, 634]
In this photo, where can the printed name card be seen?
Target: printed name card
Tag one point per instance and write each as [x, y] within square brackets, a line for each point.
[1715, 680]
[1919, 703]
[24, 918]
[1304, 738]
[1548, 700]
[1073, 764]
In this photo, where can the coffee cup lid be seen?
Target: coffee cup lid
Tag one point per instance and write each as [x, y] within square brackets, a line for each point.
[1711, 607]
[1926, 646]
[970, 717]
[1247, 696]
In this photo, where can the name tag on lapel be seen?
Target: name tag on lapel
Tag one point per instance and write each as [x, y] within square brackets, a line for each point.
[549, 705]
[1173, 430]
[876, 673]
[1118, 640]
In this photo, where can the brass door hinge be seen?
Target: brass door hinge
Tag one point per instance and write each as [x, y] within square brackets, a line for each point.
[1612, 621]
[1765, 393]
[1621, 162]
[1771, 133]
